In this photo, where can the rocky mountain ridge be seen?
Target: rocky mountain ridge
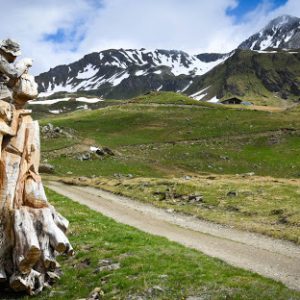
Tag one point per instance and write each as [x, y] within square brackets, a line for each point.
[125, 73]
[112, 70]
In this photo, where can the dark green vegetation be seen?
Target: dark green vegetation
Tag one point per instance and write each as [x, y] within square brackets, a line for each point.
[153, 141]
[261, 78]
[149, 267]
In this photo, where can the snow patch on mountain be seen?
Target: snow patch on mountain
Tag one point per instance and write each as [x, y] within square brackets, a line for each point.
[89, 100]
[88, 72]
[116, 80]
[267, 42]
[48, 102]
[66, 99]
[186, 87]
[57, 88]
[200, 94]
[140, 73]
[214, 100]
[55, 111]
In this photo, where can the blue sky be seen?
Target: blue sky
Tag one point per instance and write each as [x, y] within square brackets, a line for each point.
[246, 6]
[58, 32]
[61, 36]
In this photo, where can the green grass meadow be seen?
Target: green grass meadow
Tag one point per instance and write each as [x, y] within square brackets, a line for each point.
[149, 267]
[158, 141]
[168, 142]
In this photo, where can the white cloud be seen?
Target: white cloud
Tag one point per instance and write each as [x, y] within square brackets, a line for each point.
[168, 24]
[29, 21]
[190, 25]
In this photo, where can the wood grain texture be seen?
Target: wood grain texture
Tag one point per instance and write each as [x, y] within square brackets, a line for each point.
[32, 233]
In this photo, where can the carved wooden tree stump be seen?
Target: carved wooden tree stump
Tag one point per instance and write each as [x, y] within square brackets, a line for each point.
[32, 233]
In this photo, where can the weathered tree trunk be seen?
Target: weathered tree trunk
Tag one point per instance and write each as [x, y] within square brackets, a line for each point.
[32, 233]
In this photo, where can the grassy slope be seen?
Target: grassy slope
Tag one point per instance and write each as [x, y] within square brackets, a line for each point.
[174, 141]
[168, 98]
[145, 262]
[192, 139]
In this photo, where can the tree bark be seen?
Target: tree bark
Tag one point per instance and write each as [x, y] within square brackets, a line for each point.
[32, 233]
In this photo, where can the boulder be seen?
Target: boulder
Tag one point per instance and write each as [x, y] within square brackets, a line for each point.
[46, 168]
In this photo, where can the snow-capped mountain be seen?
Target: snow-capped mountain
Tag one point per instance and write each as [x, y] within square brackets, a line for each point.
[127, 73]
[111, 71]
[282, 32]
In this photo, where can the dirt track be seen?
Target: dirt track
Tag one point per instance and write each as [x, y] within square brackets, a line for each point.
[276, 259]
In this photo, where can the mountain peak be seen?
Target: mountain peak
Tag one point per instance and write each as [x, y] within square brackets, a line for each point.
[282, 21]
[282, 32]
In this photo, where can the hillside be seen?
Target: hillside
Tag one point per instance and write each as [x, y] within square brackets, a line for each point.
[145, 126]
[163, 149]
[261, 77]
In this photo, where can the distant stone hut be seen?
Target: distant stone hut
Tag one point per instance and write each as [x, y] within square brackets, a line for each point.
[235, 100]
[232, 100]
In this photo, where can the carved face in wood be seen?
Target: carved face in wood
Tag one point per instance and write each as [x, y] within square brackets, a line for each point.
[11, 49]
[9, 57]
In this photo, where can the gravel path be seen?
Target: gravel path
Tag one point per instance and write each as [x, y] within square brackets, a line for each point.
[271, 258]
